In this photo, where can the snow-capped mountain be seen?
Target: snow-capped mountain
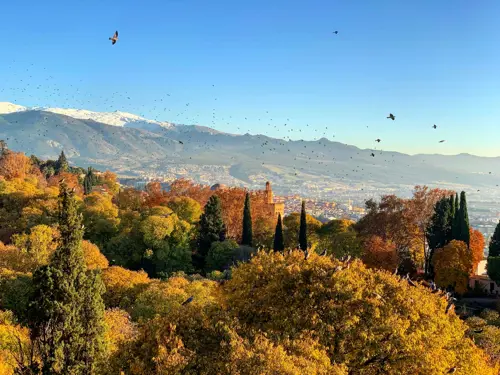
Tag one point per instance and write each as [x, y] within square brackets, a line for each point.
[116, 118]
[6, 107]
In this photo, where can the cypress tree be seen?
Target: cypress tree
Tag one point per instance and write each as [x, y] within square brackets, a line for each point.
[464, 234]
[279, 240]
[66, 312]
[211, 229]
[438, 231]
[62, 163]
[247, 223]
[88, 181]
[494, 247]
[303, 228]
[455, 229]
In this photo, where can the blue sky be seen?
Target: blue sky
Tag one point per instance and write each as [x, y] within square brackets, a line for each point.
[254, 66]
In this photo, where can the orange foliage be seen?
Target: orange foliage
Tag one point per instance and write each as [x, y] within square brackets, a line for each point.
[70, 179]
[14, 165]
[380, 253]
[476, 247]
[123, 286]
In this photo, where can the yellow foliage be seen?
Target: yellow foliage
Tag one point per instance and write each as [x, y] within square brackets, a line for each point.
[10, 336]
[162, 297]
[119, 329]
[452, 266]
[94, 259]
[369, 320]
[37, 246]
[123, 286]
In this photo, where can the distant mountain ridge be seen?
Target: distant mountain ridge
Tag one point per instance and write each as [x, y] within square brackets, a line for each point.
[135, 146]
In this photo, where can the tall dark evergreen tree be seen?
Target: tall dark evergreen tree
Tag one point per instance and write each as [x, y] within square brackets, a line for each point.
[67, 311]
[279, 240]
[438, 231]
[62, 163]
[455, 228]
[494, 247]
[247, 223]
[211, 229]
[464, 220]
[88, 181]
[303, 228]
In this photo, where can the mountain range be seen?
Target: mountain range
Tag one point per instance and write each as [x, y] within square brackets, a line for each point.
[134, 146]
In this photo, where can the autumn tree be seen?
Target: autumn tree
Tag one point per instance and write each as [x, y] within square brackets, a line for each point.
[367, 320]
[476, 247]
[14, 165]
[279, 241]
[246, 237]
[186, 209]
[66, 313]
[452, 266]
[291, 224]
[211, 229]
[380, 254]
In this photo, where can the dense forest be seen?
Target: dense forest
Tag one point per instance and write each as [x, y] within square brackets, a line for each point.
[99, 279]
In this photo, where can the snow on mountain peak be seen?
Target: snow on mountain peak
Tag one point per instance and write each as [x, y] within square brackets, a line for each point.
[6, 107]
[116, 118]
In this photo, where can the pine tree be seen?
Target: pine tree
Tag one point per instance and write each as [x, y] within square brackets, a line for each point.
[279, 240]
[303, 228]
[438, 231]
[66, 312]
[247, 223]
[494, 247]
[211, 229]
[62, 163]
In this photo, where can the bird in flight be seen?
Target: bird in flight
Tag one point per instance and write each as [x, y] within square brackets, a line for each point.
[391, 116]
[181, 142]
[435, 126]
[372, 154]
[442, 141]
[335, 32]
[114, 38]
[377, 140]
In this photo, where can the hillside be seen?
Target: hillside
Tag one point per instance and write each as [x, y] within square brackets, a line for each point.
[212, 156]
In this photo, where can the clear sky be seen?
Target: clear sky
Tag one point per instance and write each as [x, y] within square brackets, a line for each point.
[254, 66]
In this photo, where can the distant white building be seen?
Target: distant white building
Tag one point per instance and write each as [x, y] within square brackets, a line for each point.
[480, 279]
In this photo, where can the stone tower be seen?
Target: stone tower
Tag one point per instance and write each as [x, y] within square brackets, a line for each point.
[269, 193]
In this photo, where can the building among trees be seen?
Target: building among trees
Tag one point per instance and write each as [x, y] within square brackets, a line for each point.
[275, 208]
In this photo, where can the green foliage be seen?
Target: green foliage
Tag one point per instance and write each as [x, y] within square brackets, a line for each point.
[439, 229]
[247, 223]
[211, 229]
[15, 292]
[279, 240]
[88, 181]
[303, 228]
[463, 233]
[66, 312]
[62, 164]
[493, 268]
[186, 209]
[494, 247]
[221, 255]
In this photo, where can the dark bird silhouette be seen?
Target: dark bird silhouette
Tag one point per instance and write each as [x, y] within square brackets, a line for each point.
[391, 116]
[377, 140]
[442, 141]
[181, 142]
[372, 154]
[189, 300]
[478, 330]
[435, 126]
[335, 32]
[114, 38]
[452, 370]
[324, 252]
